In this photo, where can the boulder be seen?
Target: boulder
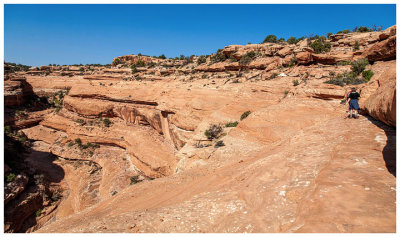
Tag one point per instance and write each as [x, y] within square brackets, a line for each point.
[381, 51]
[304, 57]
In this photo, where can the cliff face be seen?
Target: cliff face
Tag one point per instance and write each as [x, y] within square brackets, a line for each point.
[135, 150]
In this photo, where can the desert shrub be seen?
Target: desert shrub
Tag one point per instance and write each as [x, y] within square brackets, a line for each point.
[71, 143]
[107, 122]
[296, 82]
[201, 59]
[320, 45]
[134, 180]
[292, 40]
[151, 64]
[286, 93]
[114, 193]
[218, 57]
[273, 75]
[219, 144]
[245, 114]
[270, 39]
[328, 34]
[214, 131]
[162, 56]
[356, 46]
[134, 69]
[38, 212]
[80, 121]
[247, 58]
[350, 78]
[346, 31]
[364, 29]
[343, 63]
[81, 69]
[78, 141]
[233, 124]
[116, 62]
[140, 63]
[367, 75]
[10, 177]
[359, 66]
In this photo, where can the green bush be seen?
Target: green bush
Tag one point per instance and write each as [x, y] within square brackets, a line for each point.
[218, 57]
[140, 63]
[71, 143]
[270, 39]
[116, 62]
[328, 34]
[364, 29]
[219, 144]
[134, 69]
[356, 46]
[78, 141]
[162, 56]
[320, 45]
[201, 59]
[247, 58]
[367, 75]
[343, 31]
[234, 124]
[214, 131]
[245, 114]
[10, 177]
[296, 82]
[292, 40]
[38, 212]
[343, 63]
[359, 66]
[80, 121]
[107, 122]
[346, 79]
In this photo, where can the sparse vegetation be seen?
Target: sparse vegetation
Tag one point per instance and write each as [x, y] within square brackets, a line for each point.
[10, 177]
[367, 75]
[201, 59]
[214, 131]
[245, 114]
[38, 212]
[359, 66]
[247, 58]
[134, 180]
[107, 122]
[343, 63]
[320, 45]
[232, 124]
[346, 31]
[219, 144]
[356, 46]
[296, 82]
[270, 39]
[218, 57]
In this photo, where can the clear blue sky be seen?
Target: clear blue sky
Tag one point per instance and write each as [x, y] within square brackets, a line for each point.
[68, 34]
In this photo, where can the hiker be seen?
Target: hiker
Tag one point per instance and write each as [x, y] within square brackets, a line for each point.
[352, 98]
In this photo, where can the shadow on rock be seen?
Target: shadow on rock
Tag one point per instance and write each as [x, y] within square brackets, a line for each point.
[389, 151]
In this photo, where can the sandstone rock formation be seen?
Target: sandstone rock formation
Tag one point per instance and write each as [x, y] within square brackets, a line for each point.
[123, 149]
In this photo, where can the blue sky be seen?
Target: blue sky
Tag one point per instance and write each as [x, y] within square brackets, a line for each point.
[68, 34]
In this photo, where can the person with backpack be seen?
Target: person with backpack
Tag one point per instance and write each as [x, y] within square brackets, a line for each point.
[352, 99]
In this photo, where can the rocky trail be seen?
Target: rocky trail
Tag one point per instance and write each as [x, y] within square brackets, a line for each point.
[304, 181]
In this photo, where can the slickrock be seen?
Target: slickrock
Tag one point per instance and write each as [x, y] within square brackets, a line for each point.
[261, 144]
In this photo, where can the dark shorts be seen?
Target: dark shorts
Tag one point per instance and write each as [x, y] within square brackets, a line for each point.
[354, 104]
